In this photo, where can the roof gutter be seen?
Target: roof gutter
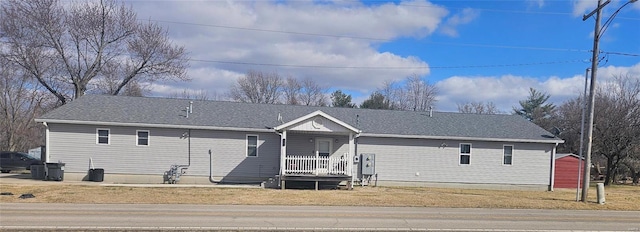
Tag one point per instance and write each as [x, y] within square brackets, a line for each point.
[97, 123]
[271, 130]
[555, 141]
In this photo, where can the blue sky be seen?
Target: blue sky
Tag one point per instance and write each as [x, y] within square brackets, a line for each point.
[488, 51]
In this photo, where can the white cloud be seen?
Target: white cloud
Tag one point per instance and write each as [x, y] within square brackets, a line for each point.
[507, 90]
[580, 7]
[213, 81]
[465, 16]
[239, 34]
[233, 37]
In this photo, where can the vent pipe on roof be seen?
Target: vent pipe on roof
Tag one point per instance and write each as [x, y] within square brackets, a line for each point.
[430, 111]
[189, 109]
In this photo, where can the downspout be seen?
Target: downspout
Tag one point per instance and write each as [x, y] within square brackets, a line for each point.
[46, 142]
[211, 179]
[355, 166]
[553, 168]
[189, 147]
[188, 150]
[282, 143]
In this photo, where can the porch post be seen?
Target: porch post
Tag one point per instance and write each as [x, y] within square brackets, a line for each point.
[317, 161]
[283, 152]
[352, 150]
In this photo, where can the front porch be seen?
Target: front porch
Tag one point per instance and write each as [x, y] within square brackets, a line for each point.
[316, 168]
[317, 165]
[318, 148]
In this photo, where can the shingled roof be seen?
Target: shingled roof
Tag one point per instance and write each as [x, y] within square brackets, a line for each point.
[168, 112]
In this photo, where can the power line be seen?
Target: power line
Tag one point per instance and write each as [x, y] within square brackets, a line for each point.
[502, 11]
[619, 53]
[386, 68]
[272, 31]
[387, 40]
[366, 38]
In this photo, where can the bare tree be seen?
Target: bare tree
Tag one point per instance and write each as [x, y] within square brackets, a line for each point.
[421, 94]
[632, 163]
[305, 92]
[568, 120]
[312, 93]
[194, 95]
[617, 122]
[66, 48]
[416, 94]
[478, 108]
[291, 91]
[616, 135]
[257, 87]
[110, 83]
[21, 101]
[393, 96]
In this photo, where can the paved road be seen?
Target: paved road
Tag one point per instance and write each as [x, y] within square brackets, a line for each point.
[25, 216]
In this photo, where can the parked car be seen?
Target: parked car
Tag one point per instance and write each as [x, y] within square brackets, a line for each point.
[13, 160]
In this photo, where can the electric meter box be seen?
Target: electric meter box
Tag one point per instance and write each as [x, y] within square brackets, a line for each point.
[368, 164]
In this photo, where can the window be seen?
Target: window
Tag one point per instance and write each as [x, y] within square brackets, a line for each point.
[508, 155]
[252, 145]
[142, 136]
[465, 153]
[102, 136]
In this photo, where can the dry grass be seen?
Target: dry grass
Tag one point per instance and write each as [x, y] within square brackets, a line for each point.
[618, 197]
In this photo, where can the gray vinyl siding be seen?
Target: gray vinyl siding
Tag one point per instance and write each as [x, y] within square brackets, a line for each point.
[298, 143]
[75, 144]
[397, 159]
[423, 160]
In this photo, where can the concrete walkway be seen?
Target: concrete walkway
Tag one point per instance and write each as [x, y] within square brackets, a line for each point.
[22, 178]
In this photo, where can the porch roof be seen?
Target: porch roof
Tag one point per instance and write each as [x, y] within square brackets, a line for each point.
[310, 118]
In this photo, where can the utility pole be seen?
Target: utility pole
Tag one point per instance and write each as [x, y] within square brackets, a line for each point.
[592, 90]
[597, 32]
[581, 153]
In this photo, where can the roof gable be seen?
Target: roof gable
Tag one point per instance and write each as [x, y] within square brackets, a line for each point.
[563, 155]
[317, 121]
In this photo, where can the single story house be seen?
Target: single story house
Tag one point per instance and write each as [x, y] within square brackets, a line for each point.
[567, 171]
[137, 139]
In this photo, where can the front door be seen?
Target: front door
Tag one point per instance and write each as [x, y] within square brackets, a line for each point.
[324, 148]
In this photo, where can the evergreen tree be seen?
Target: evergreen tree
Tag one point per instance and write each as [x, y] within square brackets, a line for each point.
[340, 99]
[536, 110]
[376, 101]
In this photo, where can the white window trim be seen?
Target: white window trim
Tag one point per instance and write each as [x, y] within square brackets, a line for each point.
[98, 136]
[148, 138]
[246, 147]
[503, 154]
[460, 154]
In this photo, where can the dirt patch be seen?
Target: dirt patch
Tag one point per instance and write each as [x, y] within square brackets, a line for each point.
[617, 197]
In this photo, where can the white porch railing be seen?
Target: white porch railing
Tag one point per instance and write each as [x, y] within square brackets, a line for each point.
[317, 165]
